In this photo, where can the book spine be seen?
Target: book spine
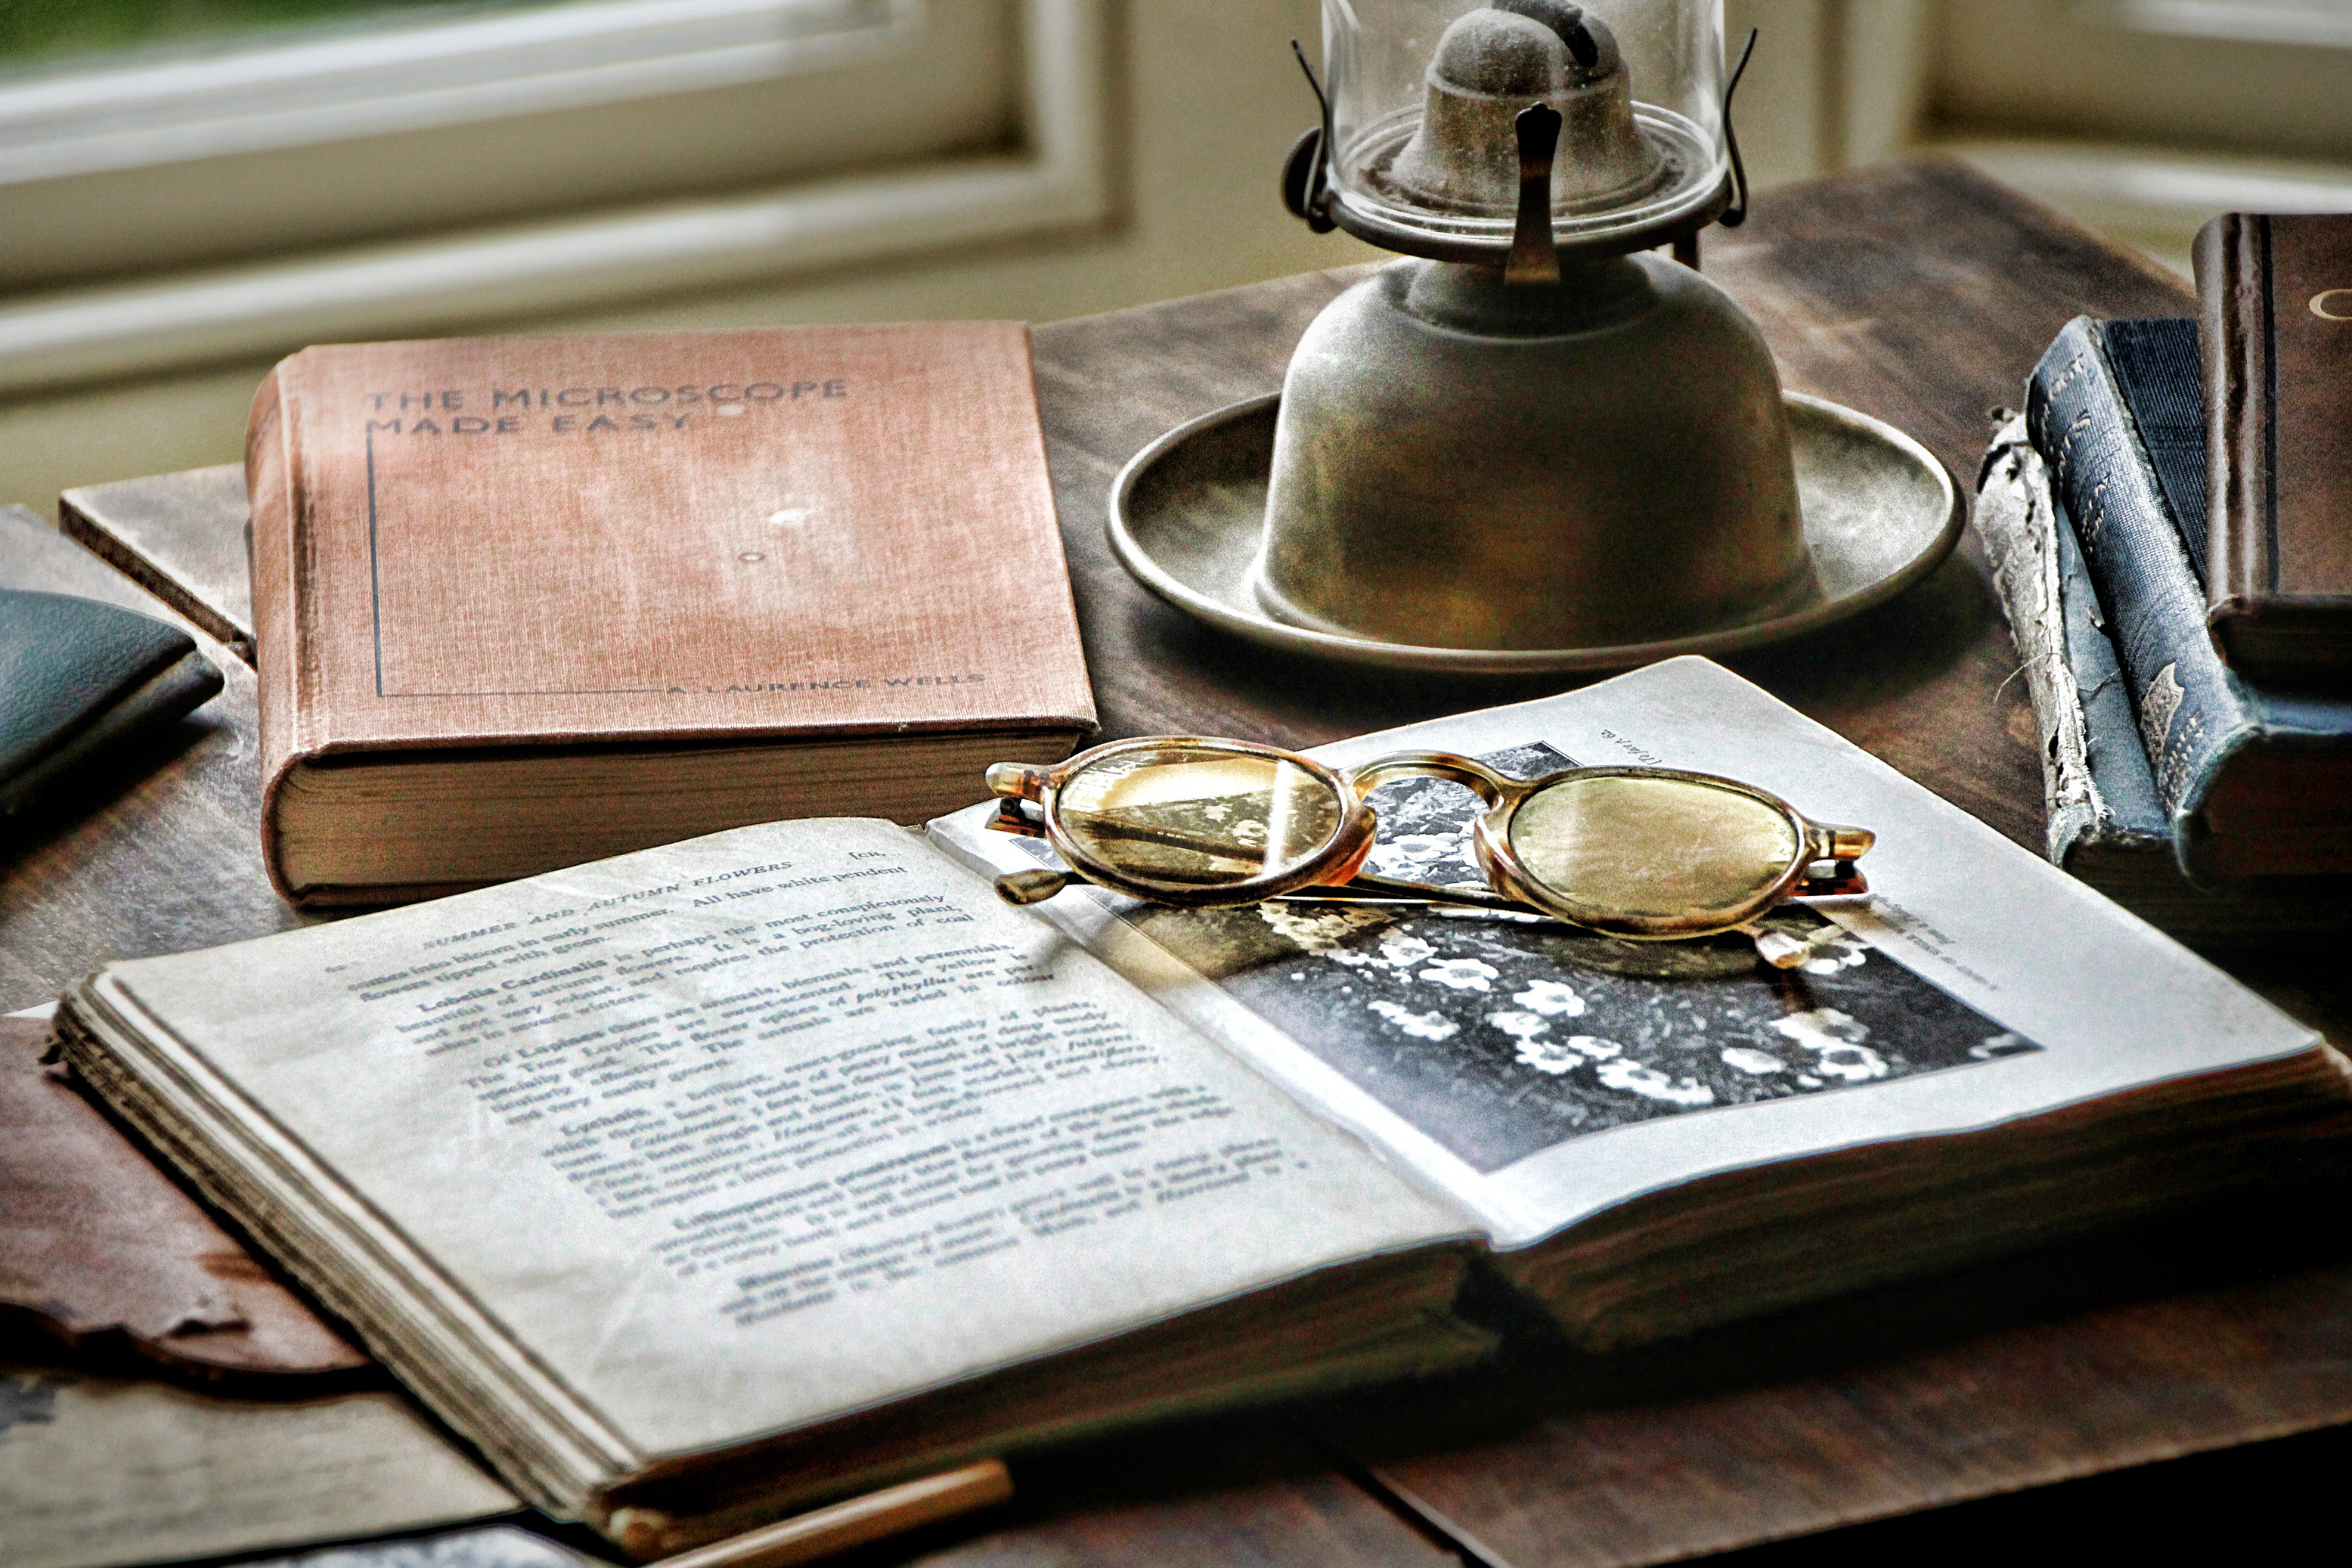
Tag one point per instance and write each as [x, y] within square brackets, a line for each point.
[2135, 817]
[273, 485]
[2191, 713]
[2012, 516]
[2107, 827]
[2095, 776]
[2233, 274]
[2276, 292]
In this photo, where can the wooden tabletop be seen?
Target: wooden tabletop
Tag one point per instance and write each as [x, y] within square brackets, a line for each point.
[1918, 293]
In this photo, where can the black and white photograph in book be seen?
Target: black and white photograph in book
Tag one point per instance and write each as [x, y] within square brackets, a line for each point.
[1500, 1037]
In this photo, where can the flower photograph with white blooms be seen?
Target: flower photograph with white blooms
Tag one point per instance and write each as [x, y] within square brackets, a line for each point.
[1501, 1038]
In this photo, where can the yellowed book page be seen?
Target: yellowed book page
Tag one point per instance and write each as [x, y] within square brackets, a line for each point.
[1543, 1076]
[756, 1129]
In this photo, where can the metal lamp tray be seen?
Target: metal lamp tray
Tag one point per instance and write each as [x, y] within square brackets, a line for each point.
[1187, 513]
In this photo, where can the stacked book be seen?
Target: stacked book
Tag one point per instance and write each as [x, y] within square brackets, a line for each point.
[2166, 527]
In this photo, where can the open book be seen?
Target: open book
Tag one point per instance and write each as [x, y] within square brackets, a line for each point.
[713, 1179]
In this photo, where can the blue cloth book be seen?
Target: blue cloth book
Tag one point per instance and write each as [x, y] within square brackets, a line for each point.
[2248, 781]
[2108, 827]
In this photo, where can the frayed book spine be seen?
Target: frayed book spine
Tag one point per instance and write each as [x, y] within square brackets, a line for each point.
[2061, 646]
[2107, 824]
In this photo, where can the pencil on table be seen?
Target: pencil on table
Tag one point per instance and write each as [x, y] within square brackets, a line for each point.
[854, 1521]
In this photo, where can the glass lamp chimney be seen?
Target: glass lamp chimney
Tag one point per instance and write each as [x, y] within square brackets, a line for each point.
[1489, 66]
[1425, 95]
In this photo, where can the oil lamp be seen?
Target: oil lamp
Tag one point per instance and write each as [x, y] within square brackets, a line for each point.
[1531, 436]
[1531, 443]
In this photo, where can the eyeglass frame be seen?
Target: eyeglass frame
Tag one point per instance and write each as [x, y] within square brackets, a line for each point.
[1513, 887]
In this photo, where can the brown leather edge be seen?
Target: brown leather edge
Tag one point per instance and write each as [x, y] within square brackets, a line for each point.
[2248, 403]
[2210, 256]
[271, 487]
[658, 742]
[2227, 256]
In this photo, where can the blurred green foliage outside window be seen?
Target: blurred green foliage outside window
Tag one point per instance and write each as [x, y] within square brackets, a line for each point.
[41, 32]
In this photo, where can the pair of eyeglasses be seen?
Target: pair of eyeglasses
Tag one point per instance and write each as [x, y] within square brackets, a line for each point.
[1645, 853]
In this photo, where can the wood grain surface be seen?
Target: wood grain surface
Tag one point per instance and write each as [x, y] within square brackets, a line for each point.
[2036, 1370]
[1222, 1494]
[179, 536]
[1918, 293]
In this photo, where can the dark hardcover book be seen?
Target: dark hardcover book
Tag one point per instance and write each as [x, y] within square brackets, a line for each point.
[77, 678]
[2255, 781]
[2276, 294]
[2108, 827]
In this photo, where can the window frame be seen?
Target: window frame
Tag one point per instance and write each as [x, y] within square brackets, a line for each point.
[2315, 23]
[1058, 178]
[339, 83]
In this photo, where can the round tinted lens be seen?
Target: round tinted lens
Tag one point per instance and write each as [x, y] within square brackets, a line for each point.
[1654, 849]
[1198, 815]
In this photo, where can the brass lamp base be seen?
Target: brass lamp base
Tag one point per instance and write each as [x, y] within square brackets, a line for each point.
[1469, 463]
[1187, 521]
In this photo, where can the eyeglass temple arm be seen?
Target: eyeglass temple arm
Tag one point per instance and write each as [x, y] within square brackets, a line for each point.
[1841, 847]
[1014, 783]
